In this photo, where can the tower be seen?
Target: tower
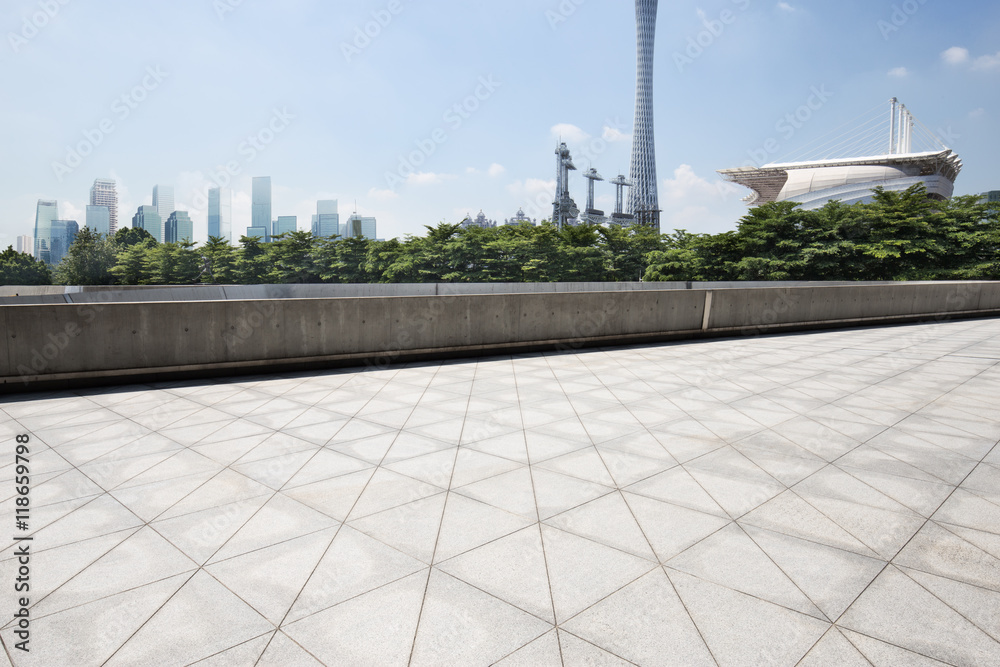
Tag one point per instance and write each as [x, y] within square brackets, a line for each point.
[619, 217]
[105, 193]
[261, 202]
[564, 209]
[642, 201]
[220, 213]
[592, 215]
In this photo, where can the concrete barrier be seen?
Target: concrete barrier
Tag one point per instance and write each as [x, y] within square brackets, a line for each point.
[66, 344]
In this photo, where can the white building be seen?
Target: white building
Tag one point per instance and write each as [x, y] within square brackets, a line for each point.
[851, 178]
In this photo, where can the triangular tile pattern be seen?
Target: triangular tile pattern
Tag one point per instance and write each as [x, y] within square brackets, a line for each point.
[699, 503]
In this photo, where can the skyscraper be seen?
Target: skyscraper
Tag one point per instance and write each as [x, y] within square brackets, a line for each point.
[63, 234]
[99, 219]
[326, 222]
[178, 228]
[163, 200]
[147, 218]
[25, 244]
[261, 212]
[220, 213]
[105, 193]
[642, 199]
[45, 212]
[285, 224]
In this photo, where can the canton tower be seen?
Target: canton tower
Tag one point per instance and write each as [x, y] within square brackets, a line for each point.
[642, 200]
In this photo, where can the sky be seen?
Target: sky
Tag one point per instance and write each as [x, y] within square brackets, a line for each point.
[423, 112]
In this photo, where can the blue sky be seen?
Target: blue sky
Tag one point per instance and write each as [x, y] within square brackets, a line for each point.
[172, 92]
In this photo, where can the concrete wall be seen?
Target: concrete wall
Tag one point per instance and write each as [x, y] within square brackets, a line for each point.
[58, 344]
[10, 295]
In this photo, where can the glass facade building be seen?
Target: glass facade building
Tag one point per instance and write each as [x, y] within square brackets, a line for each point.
[147, 218]
[261, 200]
[220, 213]
[178, 228]
[99, 219]
[63, 234]
[258, 232]
[104, 192]
[326, 222]
[359, 227]
[45, 212]
[285, 224]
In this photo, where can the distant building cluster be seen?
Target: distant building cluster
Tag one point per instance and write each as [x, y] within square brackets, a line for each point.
[165, 223]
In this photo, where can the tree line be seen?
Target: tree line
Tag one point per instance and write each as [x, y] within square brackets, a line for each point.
[898, 236]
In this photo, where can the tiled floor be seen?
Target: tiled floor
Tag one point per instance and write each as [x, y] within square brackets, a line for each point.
[818, 499]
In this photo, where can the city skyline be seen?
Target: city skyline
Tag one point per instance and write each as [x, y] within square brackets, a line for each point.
[414, 150]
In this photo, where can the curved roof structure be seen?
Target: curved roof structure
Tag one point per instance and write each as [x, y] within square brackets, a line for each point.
[849, 179]
[851, 175]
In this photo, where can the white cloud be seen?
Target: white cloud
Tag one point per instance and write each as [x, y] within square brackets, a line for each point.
[987, 62]
[496, 169]
[569, 133]
[471, 170]
[785, 7]
[956, 55]
[68, 211]
[977, 113]
[612, 134]
[699, 205]
[375, 193]
[899, 72]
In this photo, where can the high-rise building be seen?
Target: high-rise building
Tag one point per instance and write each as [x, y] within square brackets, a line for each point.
[147, 218]
[25, 244]
[105, 193]
[163, 202]
[992, 196]
[258, 232]
[326, 222]
[220, 213]
[261, 211]
[285, 224]
[359, 227]
[99, 219]
[178, 228]
[45, 212]
[63, 234]
[643, 202]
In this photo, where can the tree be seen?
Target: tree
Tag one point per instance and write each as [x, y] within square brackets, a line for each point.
[19, 268]
[132, 265]
[221, 259]
[292, 258]
[127, 237]
[88, 261]
[252, 265]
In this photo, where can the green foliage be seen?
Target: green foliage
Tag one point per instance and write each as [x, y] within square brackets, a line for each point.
[899, 236]
[19, 268]
[88, 261]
